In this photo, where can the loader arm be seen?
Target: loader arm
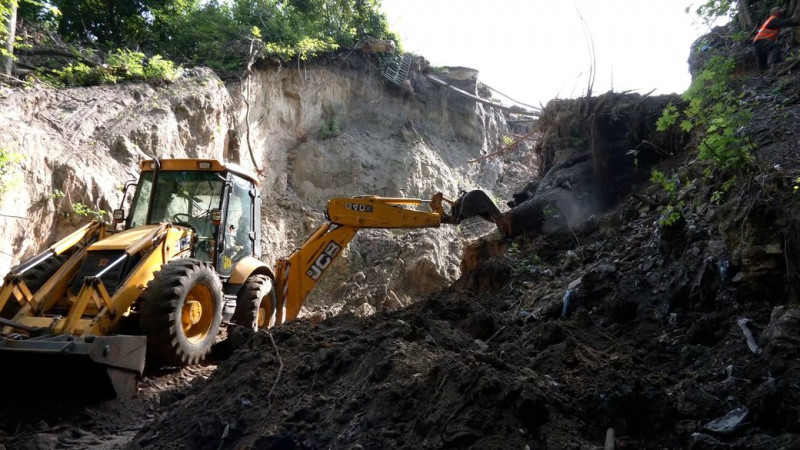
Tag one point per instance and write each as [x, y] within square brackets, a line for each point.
[15, 289]
[297, 275]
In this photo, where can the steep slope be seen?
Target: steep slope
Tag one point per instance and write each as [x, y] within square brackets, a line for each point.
[323, 129]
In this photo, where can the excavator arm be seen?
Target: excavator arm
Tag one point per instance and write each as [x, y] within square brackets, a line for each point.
[297, 275]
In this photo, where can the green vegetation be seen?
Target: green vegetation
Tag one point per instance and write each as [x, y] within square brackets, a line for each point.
[710, 10]
[329, 128]
[714, 111]
[82, 210]
[109, 39]
[123, 65]
[523, 262]
[672, 212]
[9, 171]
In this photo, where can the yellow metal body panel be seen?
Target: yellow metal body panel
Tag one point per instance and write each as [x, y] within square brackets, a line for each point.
[129, 291]
[156, 242]
[297, 275]
[246, 267]
[123, 239]
[76, 236]
[56, 287]
[377, 212]
[15, 289]
[194, 165]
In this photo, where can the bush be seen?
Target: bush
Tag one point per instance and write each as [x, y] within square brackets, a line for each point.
[713, 110]
[123, 65]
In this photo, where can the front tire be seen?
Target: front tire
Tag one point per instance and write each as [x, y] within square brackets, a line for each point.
[255, 304]
[181, 312]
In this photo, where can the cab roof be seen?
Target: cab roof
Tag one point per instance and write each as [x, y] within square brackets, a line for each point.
[200, 165]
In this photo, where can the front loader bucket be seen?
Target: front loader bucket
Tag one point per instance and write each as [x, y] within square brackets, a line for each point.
[99, 366]
[477, 203]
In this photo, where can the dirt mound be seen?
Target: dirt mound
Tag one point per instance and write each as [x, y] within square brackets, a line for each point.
[650, 345]
[664, 336]
[453, 371]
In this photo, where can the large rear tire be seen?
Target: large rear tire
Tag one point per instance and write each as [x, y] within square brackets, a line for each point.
[255, 304]
[181, 312]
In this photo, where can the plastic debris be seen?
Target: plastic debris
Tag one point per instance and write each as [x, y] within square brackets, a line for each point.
[729, 422]
[723, 265]
[705, 439]
[567, 298]
[751, 342]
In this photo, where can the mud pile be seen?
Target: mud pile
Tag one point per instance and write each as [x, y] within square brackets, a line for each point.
[650, 346]
[650, 336]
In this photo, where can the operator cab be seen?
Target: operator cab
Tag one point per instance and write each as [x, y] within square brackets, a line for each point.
[220, 203]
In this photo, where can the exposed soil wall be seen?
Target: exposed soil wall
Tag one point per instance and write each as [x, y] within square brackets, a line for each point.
[329, 128]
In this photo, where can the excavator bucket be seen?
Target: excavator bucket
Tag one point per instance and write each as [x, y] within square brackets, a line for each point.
[478, 203]
[97, 366]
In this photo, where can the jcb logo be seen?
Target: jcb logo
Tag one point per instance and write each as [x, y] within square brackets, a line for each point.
[360, 207]
[323, 261]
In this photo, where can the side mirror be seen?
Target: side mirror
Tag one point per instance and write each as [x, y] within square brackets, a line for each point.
[119, 215]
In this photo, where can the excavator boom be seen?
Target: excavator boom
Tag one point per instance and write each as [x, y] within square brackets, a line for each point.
[297, 275]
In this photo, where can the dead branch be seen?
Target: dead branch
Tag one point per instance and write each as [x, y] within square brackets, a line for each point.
[788, 69]
[46, 51]
[280, 369]
[506, 148]
[11, 79]
[246, 98]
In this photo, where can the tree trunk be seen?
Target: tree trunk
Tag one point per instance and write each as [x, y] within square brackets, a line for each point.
[745, 19]
[6, 62]
[794, 12]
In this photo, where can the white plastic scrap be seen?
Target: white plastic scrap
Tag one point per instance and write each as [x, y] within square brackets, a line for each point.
[729, 422]
[751, 343]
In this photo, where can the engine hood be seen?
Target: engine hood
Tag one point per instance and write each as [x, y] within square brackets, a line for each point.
[123, 239]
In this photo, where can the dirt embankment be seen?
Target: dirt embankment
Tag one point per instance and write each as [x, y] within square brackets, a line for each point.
[333, 128]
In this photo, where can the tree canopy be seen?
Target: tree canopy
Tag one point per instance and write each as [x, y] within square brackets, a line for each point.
[222, 34]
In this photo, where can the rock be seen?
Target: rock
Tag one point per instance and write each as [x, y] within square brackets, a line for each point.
[571, 260]
[716, 248]
[423, 275]
[702, 441]
[483, 347]
[653, 278]
[783, 328]
[364, 310]
[729, 422]
[605, 269]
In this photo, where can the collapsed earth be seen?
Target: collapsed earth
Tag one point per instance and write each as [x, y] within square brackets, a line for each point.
[358, 250]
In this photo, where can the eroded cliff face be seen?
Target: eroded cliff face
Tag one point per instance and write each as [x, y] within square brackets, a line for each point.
[78, 146]
[332, 128]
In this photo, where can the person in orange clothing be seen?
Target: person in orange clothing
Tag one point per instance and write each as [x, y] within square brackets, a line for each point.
[765, 44]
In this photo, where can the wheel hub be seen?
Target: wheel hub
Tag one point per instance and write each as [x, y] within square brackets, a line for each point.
[262, 313]
[192, 312]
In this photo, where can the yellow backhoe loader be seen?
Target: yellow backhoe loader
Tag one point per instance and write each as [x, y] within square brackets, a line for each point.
[185, 261]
